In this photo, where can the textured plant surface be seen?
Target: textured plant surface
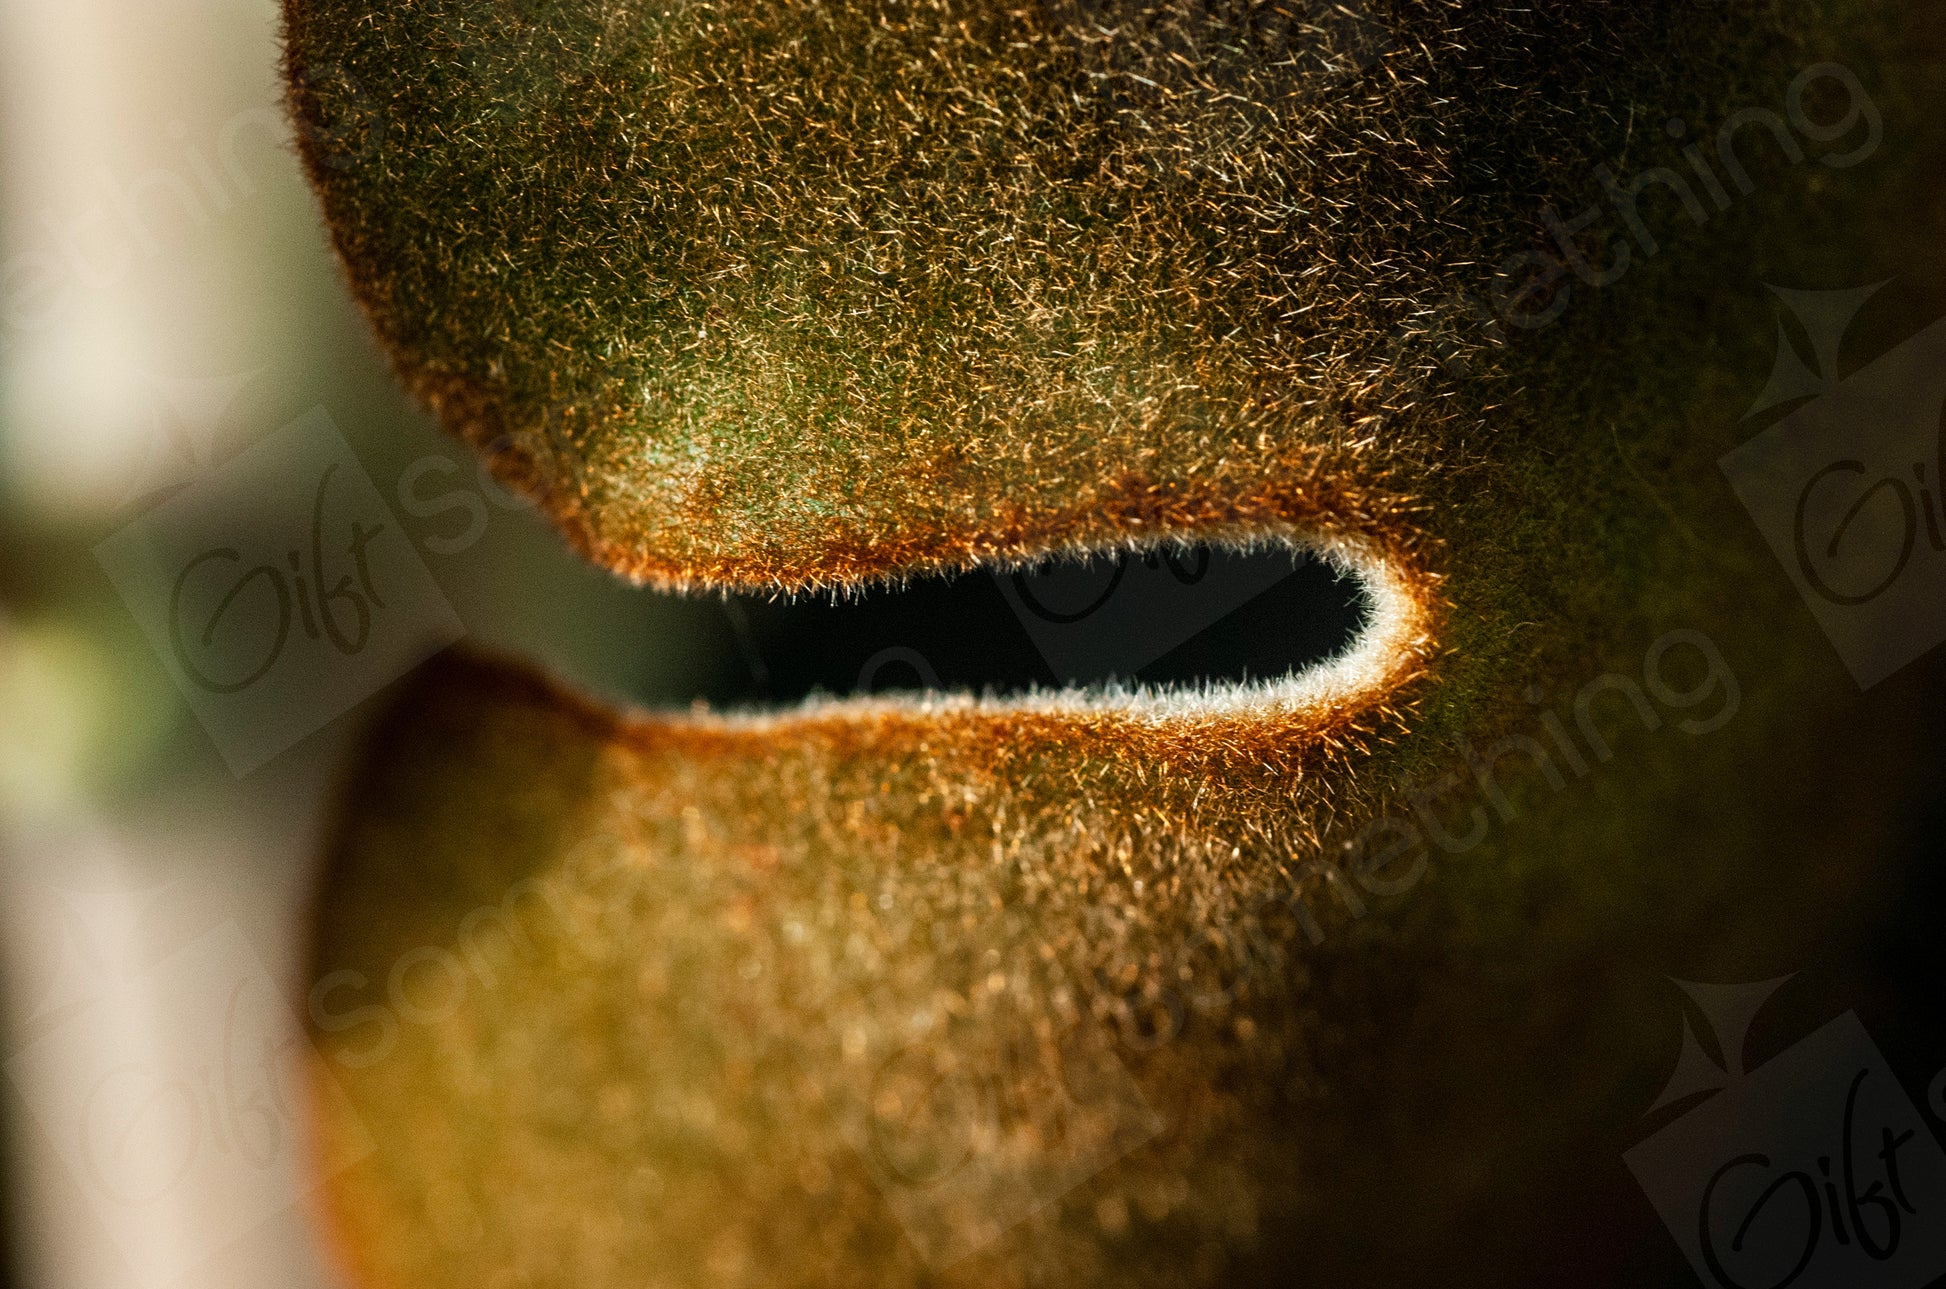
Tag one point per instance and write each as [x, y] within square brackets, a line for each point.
[800, 294]
[777, 294]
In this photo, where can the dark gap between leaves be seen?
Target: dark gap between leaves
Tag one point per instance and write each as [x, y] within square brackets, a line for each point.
[1172, 617]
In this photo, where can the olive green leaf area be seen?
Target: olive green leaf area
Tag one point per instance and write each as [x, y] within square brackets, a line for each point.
[788, 293]
[626, 1002]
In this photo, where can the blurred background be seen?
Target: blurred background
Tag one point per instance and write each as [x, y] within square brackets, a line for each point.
[168, 302]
